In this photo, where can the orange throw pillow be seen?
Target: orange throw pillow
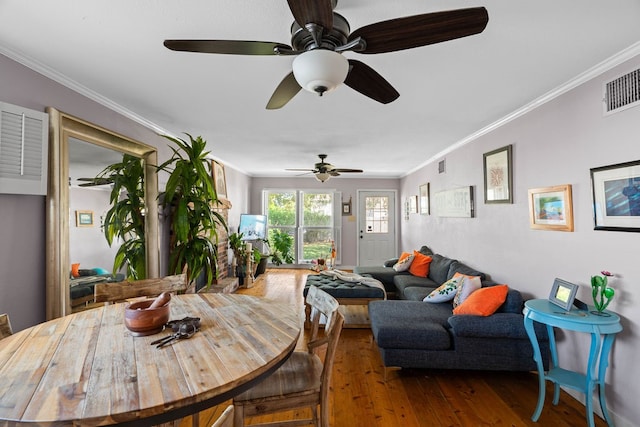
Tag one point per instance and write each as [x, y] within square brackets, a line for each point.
[420, 264]
[484, 301]
[75, 270]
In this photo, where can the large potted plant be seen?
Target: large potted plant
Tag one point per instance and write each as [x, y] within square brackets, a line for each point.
[281, 245]
[189, 198]
[125, 219]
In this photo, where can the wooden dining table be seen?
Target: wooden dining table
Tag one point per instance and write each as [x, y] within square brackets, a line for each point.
[88, 369]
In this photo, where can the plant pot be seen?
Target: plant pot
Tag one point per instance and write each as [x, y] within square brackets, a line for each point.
[262, 265]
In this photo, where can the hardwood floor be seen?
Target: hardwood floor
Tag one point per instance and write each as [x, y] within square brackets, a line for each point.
[361, 397]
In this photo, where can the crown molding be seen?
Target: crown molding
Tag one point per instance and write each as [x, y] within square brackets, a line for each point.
[581, 78]
[58, 77]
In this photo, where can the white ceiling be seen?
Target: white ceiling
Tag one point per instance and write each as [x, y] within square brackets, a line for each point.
[448, 92]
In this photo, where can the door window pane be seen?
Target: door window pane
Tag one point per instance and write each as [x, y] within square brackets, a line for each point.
[377, 214]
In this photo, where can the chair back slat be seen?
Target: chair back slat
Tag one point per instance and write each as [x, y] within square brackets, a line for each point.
[226, 419]
[120, 291]
[5, 326]
[322, 303]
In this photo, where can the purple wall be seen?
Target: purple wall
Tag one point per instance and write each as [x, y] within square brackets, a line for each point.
[22, 218]
[554, 144]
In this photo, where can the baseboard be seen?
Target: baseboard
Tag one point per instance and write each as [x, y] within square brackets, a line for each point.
[618, 420]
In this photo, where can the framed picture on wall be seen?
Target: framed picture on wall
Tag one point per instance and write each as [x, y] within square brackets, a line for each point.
[84, 218]
[551, 208]
[424, 199]
[616, 197]
[219, 179]
[498, 176]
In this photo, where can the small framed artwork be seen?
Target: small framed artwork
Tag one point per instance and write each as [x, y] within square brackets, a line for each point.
[498, 176]
[551, 208]
[563, 293]
[84, 218]
[346, 208]
[424, 199]
[616, 197]
[219, 179]
[413, 204]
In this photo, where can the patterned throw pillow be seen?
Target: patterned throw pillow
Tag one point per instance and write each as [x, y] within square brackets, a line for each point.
[403, 263]
[466, 288]
[444, 292]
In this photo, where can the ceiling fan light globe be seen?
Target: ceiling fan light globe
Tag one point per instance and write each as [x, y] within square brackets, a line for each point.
[320, 70]
[322, 176]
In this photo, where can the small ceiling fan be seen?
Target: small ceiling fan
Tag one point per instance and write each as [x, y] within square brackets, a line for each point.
[323, 171]
[319, 36]
[92, 182]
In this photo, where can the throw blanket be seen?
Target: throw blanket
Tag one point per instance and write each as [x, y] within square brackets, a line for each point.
[355, 278]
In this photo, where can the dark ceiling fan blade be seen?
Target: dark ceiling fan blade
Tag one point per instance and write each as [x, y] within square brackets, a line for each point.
[92, 182]
[231, 47]
[342, 170]
[301, 170]
[368, 82]
[421, 30]
[318, 12]
[286, 90]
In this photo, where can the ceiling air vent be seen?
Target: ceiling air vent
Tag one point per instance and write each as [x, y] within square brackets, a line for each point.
[622, 93]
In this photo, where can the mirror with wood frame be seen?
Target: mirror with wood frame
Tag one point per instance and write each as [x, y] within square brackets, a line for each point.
[64, 128]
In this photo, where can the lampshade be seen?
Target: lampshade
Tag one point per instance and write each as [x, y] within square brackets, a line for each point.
[320, 70]
[322, 176]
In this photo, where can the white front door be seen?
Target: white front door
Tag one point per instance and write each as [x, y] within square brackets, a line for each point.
[376, 227]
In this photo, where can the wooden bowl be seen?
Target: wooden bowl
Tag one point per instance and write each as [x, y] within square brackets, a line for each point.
[141, 320]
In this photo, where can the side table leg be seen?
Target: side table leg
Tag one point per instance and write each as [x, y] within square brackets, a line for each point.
[528, 325]
[601, 383]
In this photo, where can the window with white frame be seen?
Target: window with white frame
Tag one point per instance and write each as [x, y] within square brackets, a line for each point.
[313, 218]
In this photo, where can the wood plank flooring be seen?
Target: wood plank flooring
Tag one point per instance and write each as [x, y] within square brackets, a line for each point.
[412, 398]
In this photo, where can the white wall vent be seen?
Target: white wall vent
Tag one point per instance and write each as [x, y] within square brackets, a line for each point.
[23, 150]
[622, 93]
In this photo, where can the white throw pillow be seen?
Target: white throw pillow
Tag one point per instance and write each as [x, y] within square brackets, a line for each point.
[404, 264]
[444, 292]
[466, 287]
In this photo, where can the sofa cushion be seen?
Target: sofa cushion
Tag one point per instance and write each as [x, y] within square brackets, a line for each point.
[498, 325]
[458, 267]
[403, 281]
[466, 287]
[404, 262]
[483, 302]
[444, 292]
[416, 293]
[408, 324]
[420, 264]
[439, 268]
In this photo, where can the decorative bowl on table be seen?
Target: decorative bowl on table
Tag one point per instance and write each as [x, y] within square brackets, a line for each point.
[142, 320]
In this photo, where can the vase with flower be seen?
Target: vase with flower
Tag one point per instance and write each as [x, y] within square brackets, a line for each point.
[601, 292]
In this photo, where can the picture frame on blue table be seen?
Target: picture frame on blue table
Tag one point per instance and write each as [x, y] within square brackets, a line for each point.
[563, 293]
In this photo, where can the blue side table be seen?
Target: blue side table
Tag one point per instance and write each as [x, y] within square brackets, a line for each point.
[602, 330]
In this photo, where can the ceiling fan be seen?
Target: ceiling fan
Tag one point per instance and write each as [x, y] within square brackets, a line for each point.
[92, 182]
[319, 36]
[323, 171]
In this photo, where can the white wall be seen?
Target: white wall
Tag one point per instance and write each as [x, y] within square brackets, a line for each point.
[554, 144]
[87, 245]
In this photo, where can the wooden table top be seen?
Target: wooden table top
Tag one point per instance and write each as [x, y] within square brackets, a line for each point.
[88, 369]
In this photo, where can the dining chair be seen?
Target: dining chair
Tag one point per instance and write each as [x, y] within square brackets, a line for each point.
[5, 326]
[111, 292]
[226, 419]
[303, 380]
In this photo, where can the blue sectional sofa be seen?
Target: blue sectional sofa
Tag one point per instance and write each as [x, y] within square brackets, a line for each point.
[411, 333]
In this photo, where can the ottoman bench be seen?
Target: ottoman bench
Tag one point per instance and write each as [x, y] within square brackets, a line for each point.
[346, 292]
